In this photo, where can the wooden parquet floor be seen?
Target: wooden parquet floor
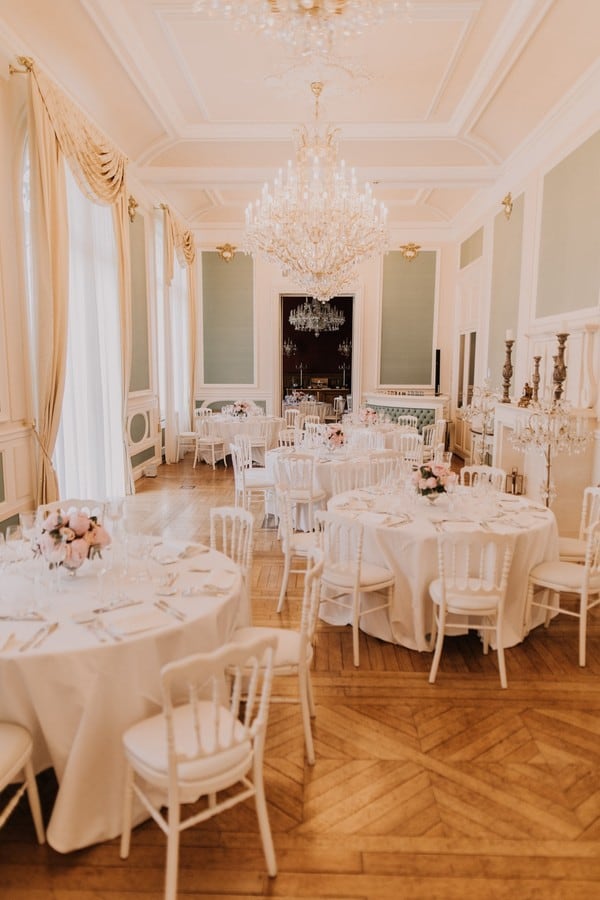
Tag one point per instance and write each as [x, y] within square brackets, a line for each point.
[453, 790]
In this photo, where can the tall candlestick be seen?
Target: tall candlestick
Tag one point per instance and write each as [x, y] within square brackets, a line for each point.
[535, 378]
[560, 370]
[507, 371]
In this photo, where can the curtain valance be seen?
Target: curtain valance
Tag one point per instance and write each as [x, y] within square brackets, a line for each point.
[98, 166]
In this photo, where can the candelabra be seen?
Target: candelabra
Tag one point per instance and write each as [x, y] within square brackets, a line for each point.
[480, 413]
[507, 372]
[289, 348]
[300, 368]
[550, 429]
[345, 348]
[343, 367]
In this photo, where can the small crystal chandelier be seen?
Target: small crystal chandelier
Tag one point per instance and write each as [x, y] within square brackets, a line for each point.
[314, 222]
[289, 348]
[316, 317]
[310, 26]
[345, 348]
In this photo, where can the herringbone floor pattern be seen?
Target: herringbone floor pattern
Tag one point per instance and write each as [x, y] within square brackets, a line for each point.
[452, 790]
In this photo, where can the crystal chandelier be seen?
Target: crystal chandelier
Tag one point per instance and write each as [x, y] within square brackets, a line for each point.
[289, 348]
[315, 223]
[316, 317]
[308, 25]
[345, 348]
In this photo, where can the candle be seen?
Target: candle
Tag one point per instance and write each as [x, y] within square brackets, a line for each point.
[509, 334]
[563, 328]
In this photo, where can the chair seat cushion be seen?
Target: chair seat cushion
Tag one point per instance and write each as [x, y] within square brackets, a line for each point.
[566, 576]
[341, 576]
[303, 542]
[287, 651]
[571, 548]
[146, 743]
[484, 603]
[258, 479]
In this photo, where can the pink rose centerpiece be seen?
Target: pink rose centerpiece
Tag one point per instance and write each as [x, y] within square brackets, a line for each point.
[81, 537]
[368, 416]
[431, 479]
[335, 436]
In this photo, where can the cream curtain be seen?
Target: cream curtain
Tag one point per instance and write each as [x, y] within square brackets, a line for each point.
[178, 244]
[50, 284]
[58, 127]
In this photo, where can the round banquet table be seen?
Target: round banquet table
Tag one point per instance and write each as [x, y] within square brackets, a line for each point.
[400, 532]
[325, 462]
[87, 683]
[229, 426]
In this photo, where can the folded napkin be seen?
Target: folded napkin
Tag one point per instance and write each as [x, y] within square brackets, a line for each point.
[143, 621]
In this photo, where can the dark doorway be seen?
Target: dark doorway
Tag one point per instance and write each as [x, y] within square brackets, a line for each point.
[319, 365]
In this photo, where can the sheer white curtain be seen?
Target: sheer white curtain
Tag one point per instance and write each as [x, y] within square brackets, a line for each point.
[177, 358]
[89, 455]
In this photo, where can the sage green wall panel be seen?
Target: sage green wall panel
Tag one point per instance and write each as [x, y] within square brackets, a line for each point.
[569, 267]
[408, 303]
[143, 456]
[138, 427]
[140, 356]
[228, 320]
[2, 489]
[472, 248]
[506, 277]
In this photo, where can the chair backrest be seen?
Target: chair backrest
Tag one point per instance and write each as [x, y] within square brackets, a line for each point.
[341, 541]
[311, 419]
[202, 412]
[231, 533]
[311, 596]
[591, 578]
[590, 510]
[409, 445]
[230, 726]
[428, 432]
[441, 427]
[474, 566]
[407, 422]
[339, 405]
[296, 471]
[384, 468]
[239, 472]
[287, 437]
[291, 417]
[244, 445]
[490, 476]
[308, 408]
[258, 429]
[366, 439]
[348, 475]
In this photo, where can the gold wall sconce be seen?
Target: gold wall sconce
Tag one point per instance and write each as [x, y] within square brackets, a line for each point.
[132, 206]
[507, 205]
[410, 251]
[226, 252]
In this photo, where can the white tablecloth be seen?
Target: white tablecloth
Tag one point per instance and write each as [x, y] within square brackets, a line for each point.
[408, 548]
[77, 694]
[229, 426]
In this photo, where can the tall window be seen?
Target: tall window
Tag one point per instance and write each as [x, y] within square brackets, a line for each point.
[89, 454]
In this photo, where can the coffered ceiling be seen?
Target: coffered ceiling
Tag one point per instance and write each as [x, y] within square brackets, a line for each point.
[431, 108]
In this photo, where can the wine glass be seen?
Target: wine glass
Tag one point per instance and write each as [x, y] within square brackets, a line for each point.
[14, 543]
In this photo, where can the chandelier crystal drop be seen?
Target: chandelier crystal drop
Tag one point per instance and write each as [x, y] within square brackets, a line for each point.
[310, 26]
[316, 317]
[315, 223]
